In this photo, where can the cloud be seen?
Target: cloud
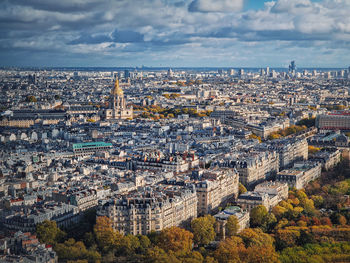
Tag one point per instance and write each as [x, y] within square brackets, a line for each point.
[215, 6]
[191, 31]
[127, 36]
[292, 6]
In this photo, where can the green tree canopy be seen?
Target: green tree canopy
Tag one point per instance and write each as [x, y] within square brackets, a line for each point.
[48, 232]
[232, 225]
[203, 229]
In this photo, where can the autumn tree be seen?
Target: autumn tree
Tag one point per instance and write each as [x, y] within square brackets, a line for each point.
[203, 229]
[129, 244]
[232, 225]
[255, 237]
[158, 255]
[175, 239]
[252, 246]
[48, 232]
[31, 98]
[230, 250]
[263, 254]
[105, 235]
[241, 189]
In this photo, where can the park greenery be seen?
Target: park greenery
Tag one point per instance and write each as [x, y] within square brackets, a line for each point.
[311, 225]
[293, 129]
[156, 112]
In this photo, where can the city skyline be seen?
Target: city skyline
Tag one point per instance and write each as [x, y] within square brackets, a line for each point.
[160, 33]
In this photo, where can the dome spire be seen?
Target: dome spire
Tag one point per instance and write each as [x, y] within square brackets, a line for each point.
[117, 90]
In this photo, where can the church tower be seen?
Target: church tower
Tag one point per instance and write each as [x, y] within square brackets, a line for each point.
[117, 105]
[117, 100]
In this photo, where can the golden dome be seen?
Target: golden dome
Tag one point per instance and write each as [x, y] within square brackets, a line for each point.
[117, 90]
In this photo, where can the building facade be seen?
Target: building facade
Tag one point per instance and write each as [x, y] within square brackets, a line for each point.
[301, 174]
[143, 212]
[216, 188]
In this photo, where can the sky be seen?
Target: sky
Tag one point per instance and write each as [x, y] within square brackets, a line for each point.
[174, 33]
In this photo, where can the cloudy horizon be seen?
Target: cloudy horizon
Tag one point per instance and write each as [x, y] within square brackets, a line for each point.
[179, 33]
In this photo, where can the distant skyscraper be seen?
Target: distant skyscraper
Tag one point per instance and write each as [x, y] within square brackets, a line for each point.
[230, 72]
[267, 71]
[126, 74]
[262, 72]
[292, 67]
[241, 72]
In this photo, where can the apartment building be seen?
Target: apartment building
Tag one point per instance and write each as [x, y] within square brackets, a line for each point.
[273, 189]
[334, 121]
[254, 166]
[249, 200]
[301, 174]
[215, 188]
[26, 220]
[289, 150]
[88, 148]
[152, 209]
[329, 157]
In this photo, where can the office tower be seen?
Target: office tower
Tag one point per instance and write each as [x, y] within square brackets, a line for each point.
[292, 67]
[267, 71]
[230, 72]
[241, 72]
[262, 72]
[126, 74]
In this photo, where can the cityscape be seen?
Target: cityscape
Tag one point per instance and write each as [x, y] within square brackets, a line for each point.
[154, 143]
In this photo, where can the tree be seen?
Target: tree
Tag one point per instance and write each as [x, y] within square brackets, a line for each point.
[342, 220]
[230, 250]
[89, 239]
[145, 243]
[286, 238]
[264, 254]
[203, 229]
[241, 189]
[31, 99]
[279, 211]
[158, 255]
[258, 216]
[48, 232]
[72, 250]
[191, 257]
[232, 225]
[254, 136]
[129, 244]
[175, 239]
[255, 237]
[257, 248]
[105, 235]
